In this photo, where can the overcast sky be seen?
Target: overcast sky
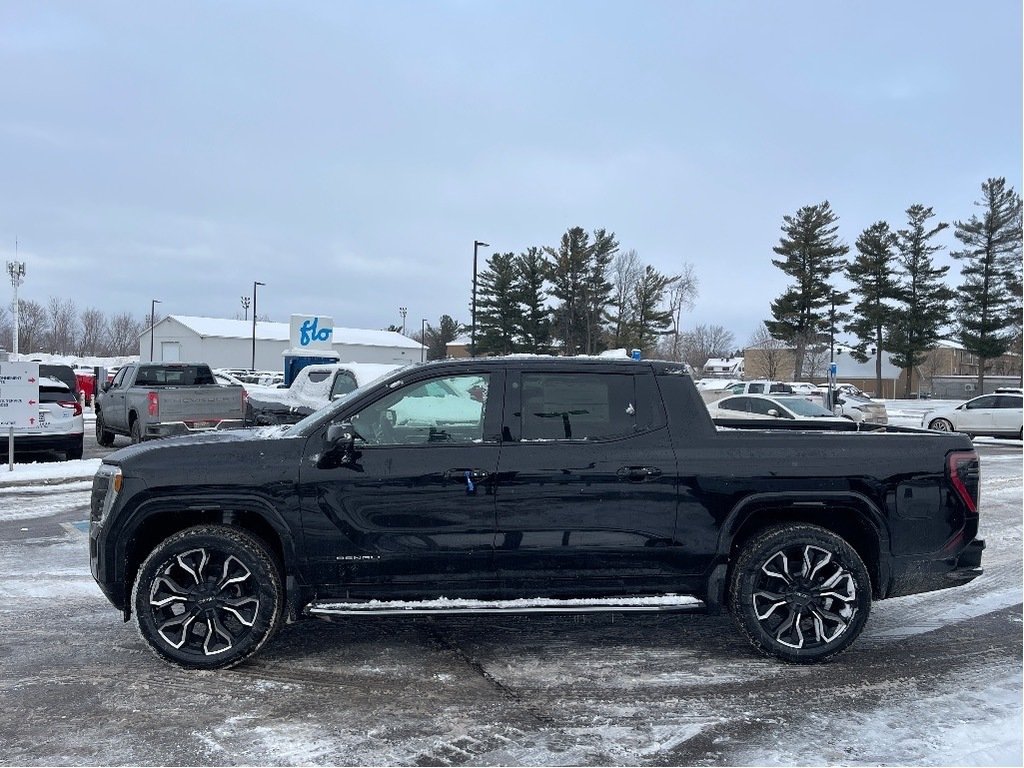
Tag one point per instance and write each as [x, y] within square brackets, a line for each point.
[348, 154]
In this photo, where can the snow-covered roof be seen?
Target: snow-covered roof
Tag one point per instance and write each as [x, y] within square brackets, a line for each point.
[217, 327]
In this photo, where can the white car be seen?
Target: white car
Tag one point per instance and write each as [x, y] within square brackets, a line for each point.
[772, 407]
[61, 425]
[997, 415]
[854, 404]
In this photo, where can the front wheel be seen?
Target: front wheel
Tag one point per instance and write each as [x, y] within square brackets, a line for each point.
[941, 425]
[208, 597]
[800, 593]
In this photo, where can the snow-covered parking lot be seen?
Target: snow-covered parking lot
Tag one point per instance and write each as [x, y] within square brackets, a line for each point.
[934, 679]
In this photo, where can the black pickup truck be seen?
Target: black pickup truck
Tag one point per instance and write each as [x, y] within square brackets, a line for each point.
[527, 484]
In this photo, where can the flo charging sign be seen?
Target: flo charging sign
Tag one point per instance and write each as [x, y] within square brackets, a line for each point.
[312, 332]
[19, 401]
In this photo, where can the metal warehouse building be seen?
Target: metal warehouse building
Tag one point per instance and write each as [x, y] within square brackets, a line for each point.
[229, 343]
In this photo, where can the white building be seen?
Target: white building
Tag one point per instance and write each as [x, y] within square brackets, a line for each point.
[229, 343]
[724, 367]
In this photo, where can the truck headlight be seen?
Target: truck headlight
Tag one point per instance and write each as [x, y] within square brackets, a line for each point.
[106, 485]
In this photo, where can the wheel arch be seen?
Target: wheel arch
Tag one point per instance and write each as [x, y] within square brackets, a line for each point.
[160, 517]
[850, 515]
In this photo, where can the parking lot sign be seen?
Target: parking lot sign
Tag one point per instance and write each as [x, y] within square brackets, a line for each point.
[19, 395]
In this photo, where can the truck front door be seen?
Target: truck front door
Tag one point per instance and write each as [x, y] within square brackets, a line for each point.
[115, 408]
[411, 512]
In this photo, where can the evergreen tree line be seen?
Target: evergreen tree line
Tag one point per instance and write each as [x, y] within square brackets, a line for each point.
[900, 301]
[60, 328]
[582, 297]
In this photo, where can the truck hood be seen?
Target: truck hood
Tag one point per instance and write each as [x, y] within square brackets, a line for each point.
[172, 445]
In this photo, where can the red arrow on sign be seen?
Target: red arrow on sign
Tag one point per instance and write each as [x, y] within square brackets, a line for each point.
[31, 380]
[31, 402]
[31, 421]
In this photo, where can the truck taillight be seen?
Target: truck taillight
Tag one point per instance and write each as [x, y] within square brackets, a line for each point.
[153, 401]
[965, 475]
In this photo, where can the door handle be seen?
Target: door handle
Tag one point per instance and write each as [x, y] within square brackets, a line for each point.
[462, 475]
[638, 474]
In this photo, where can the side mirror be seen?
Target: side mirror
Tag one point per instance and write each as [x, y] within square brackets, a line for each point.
[106, 386]
[773, 412]
[341, 438]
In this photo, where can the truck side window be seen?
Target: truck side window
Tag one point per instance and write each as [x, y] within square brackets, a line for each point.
[578, 406]
[344, 383]
[118, 378]
[438, 411]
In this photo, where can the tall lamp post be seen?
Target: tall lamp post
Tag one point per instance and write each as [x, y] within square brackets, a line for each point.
[245, 305]
[16, 269]
[423, 339]
[472, 335]
[152, 323]
[403, 311]
[255, 283]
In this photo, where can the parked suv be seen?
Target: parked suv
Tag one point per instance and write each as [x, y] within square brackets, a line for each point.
[61, 425]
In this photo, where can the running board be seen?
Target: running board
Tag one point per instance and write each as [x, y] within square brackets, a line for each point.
[532, 605]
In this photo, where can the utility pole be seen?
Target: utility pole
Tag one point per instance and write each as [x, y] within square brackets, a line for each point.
[152, 324]
[472, 335]
[16, 269]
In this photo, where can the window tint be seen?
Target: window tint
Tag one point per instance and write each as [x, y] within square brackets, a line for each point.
[174, 376]
[440, 411]
[983, 402]
[1009, 401]
[737, 389]
[757, 405]
[578, 406]
[756, 389]
[736, 404]
[343, 384]
[119, 378]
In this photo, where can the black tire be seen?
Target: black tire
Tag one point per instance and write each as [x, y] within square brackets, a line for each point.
[941, 425]
[104, 436]
[208, 597]
[800, 593]
[76, 451]
[136, 431]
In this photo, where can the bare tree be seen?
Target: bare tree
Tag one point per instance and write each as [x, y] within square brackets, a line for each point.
[6, 329]
[773, 354]
[815, 359]
[627, 269]
[123, 334]
[681, 295]
[705, 342]
[63, 325]
[94, 332]
[33, 325]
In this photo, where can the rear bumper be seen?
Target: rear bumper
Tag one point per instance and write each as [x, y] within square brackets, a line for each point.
[42, 442]
[173, 428]
[912, 576]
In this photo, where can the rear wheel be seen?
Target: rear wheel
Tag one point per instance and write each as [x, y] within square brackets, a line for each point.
[103, 435]
[76, 451]
[208, 597]
[941, 425]
[136, 431]
[800, 593]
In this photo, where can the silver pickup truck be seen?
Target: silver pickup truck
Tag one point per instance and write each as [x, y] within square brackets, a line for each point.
[149, 400]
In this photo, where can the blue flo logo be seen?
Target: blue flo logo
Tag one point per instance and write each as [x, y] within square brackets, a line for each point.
[309, 332]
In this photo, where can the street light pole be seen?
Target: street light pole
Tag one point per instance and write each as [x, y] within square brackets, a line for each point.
[16, 269]
[472, 335]
[255, 283]
[245, 305]
[403, 311]
[423, 339]
[152, 323]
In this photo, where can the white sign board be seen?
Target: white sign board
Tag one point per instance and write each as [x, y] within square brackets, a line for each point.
[312, 332]
[19, 395]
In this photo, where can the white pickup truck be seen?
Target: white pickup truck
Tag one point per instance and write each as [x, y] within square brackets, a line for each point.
[149, 400]
[314, 387]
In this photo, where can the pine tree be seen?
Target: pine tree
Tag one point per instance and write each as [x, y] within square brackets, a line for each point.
[437, 339]
[922, 298]
[874, 283]
[534, 330]
[812, 254]
[989, 310]
[650, 319]
[567, 271]
[498, 315]
[597, 288]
